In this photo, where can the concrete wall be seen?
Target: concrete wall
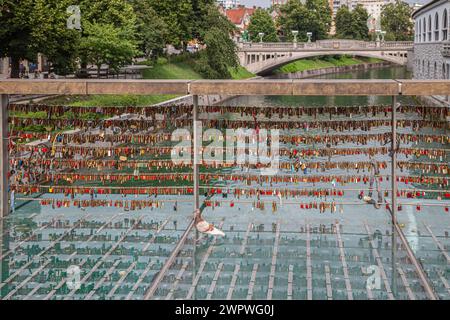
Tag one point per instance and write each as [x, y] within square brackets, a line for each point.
[429, 63]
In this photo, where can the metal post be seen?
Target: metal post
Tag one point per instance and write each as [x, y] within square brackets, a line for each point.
[197, 132]
[197, 144]
[4, 165]
[394, 194]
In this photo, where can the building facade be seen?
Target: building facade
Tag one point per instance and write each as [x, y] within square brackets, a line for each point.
[240, 17]
[278, 2]
[432, 41]
[227, 4]
[373, 7]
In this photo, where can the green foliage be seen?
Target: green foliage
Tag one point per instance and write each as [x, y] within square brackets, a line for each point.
[261, 21]
[323, 62]
[396, 21]
[107, 100]
[352, 24]
[176, 70]
[119, 13]
[314, 16]
[31, 26]
[219, 55]
[115, 31]
[207, 16]
[152, 30]
[240, 73]
[106, 44]
[178, 16]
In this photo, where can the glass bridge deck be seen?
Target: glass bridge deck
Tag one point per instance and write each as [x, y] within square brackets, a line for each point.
[265, 255]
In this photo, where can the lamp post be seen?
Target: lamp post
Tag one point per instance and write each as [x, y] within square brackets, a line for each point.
[378, 32]
[261, 36]
[295, 34]
[309, 35]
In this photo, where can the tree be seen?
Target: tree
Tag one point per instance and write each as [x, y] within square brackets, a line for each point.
[344, 23]
[359, 23]
[152, 31]
[313, 16]
[213, 17]
[179, 18]
[396, 21]
[352, 24]
[30, 27]
[117, 13]
[107, 44]
[219, 56]
[261, 21]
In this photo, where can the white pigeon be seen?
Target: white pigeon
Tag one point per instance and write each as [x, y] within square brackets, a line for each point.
[208, 228]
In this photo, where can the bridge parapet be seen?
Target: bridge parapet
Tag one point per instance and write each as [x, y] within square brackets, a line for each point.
[326, 45]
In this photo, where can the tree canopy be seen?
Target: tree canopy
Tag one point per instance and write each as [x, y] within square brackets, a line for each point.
[352, 24]
[107, 44]
[261, 21]
[112, 32]
[396, 21]
[313, 16]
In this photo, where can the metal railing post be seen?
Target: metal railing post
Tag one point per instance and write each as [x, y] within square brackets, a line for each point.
[197, 145]
[394, 194]
[197, 132]
[4, 163]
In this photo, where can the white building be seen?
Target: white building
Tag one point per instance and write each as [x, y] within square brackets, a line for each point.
[373, 7]
[227, 4]
[432, 41]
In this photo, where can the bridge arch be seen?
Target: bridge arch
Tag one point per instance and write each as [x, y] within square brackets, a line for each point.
[267, 66]
[261, 58]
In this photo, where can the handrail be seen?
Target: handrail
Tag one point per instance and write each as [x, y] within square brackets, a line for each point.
[329, 44]
[288, 87]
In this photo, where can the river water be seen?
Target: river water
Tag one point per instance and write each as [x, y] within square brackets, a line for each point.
[394, 72]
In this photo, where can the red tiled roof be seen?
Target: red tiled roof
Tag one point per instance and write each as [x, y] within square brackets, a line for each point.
[237, 15]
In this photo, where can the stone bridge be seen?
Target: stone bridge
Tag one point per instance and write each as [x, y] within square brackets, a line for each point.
[261, 58]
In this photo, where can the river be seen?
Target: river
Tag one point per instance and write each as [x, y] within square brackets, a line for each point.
[394, 72]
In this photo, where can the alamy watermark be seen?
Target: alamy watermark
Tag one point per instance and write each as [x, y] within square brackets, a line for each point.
[257, 147]
[373, 282]
[74, 20]
[73, 281]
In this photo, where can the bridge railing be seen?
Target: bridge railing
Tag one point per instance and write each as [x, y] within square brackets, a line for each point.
[328, 45]
[225, 87]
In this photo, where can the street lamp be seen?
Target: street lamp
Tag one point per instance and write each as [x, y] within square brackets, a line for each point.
[261, 36]
[295, 34]
[378, 32]
[309, 35]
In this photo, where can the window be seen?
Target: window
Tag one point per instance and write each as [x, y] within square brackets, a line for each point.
[424, 30]
[429, 29]
[420, 31]
[445, 25]
[436, 27]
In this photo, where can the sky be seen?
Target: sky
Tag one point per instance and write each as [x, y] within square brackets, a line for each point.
[266, 3]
